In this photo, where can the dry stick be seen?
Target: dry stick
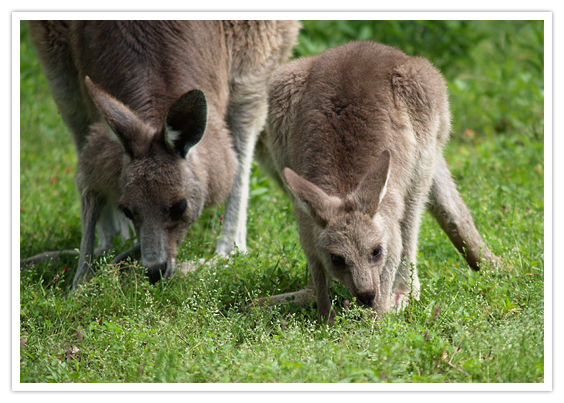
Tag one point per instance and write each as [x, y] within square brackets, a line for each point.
[181, 338]
[42, 257]
[250, 297]
[453, 354]
[450, 361]
[458, 369]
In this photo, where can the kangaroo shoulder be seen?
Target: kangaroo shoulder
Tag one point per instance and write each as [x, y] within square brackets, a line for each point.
[287, 86]
[419, 85]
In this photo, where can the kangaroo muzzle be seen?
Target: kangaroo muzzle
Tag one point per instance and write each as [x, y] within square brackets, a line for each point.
[156, 258]
[366, 298]
[156, 272]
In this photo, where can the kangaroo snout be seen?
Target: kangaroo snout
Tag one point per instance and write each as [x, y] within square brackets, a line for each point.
[156, 272]
[366, 298]
[159, 263]
[159, 271]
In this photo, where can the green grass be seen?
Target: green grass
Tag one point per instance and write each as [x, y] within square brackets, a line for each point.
[485, 327]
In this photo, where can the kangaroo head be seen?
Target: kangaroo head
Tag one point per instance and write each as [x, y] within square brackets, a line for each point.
[350, 237]
[160, 193]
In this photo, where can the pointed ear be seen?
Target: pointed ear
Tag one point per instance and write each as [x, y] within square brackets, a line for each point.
[131, 131]
[372, 187]
[311, 199]
[185, 122]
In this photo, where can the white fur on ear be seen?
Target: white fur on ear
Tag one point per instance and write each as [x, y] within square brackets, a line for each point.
[171, 136]
[302, 205]
[185, 122]
[384, 188]
[310, 198]
[112, 135]
[373, 186]
[291, 177]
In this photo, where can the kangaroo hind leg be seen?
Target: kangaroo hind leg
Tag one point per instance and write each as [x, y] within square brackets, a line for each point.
[452, 214]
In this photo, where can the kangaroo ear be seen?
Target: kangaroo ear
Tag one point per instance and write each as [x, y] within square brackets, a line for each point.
[372, 187]
[133, 134]
[185, 122]
[311, 199]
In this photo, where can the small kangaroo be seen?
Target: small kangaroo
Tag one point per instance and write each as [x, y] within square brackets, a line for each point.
[164, 117]
[355, 136]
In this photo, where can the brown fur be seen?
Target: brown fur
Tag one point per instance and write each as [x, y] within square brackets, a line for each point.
[356, 135]
[137, 97]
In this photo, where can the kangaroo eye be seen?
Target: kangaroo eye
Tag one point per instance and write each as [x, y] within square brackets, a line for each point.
[338, 261]
[376, 252]
[177, 210]
[127, 212]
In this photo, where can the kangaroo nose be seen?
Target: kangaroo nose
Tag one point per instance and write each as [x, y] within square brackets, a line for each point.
[156, 272]
[366, 297]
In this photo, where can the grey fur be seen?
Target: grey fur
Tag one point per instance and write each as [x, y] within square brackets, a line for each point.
[355, 135]
[135, 126]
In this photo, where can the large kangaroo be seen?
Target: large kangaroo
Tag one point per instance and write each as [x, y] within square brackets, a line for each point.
[164, 116]
[355, 135]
